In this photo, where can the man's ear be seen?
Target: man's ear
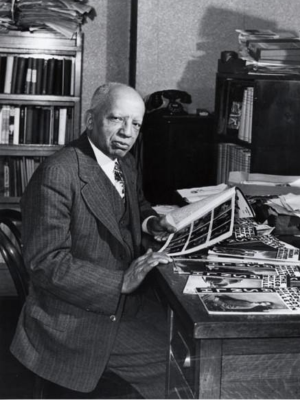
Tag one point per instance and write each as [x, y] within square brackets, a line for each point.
[89, 120]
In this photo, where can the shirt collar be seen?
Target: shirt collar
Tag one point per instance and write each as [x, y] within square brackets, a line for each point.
[101, 158]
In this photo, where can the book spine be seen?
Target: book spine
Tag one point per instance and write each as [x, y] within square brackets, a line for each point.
[16, 126]
[15, 74]
[8, 74]
[67, 76]
[56, 125]
[45, 77]
[6, 178]
[50, 76]
[58, 79]
[22, 125]
[11, 124]
[33, 76]
[28, 75]
[62, 126]
[3, 60]
[39, 75]
[21, 75]
[29, 126]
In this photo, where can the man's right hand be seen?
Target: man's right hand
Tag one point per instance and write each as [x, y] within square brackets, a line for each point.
[140, 267]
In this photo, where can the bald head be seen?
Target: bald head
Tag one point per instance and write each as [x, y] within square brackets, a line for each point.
[104, 93]
[114, 119]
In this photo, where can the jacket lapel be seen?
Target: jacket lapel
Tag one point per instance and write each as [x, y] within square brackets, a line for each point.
[94, 190]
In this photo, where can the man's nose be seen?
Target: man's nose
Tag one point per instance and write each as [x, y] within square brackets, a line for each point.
[126, 129]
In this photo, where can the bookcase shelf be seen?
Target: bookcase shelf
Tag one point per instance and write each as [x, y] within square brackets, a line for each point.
[271, 124]
[40, 103]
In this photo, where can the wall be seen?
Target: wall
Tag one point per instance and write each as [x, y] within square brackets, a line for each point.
[106, 47]
[180, 41]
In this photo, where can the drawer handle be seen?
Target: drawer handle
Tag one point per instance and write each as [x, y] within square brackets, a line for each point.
[187, 360]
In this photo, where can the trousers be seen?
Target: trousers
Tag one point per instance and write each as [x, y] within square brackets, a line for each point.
[138, 357]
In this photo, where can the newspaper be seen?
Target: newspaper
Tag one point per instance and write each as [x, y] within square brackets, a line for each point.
[201, 224]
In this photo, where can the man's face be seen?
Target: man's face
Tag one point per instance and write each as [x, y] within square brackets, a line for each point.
[116, 126]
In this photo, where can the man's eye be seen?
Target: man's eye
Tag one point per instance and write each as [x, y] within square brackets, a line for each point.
[116, 119]
[137, 125]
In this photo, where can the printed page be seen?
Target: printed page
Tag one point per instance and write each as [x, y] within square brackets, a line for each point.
[201, 224]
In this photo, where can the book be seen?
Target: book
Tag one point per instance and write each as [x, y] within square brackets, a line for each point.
[33, 76]
[39, 75]
[201, 224]
[21, 75]
[16, 125]
[58, 78]
[67, 76]
[56, 125]
[8, 73]
[11, 124]
[28, 75]
[62, 125]
[5, 124]
[50, 76]
[46, 125]
[15, 74]
[250, 301]
[259, 50]
[2, 72]
[35, 125]
[22, 132]
[45, 76]
[6, 173]
[29, 125]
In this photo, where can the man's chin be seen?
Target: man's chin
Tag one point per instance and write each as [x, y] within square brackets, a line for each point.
[119, 153]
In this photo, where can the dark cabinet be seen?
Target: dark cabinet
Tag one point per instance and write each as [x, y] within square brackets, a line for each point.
[177, 153]
[270, 137]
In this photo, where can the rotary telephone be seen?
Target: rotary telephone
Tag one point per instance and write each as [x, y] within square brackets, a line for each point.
[167, 102]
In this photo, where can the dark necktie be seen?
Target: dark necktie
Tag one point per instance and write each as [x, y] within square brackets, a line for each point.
[119, 178]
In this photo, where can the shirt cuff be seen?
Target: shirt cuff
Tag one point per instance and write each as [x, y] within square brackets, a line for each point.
[144, 224]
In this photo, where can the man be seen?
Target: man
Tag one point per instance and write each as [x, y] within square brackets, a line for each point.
[86, 311]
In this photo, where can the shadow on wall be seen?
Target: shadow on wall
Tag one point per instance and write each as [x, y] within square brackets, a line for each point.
[217, 33]
[118, 35]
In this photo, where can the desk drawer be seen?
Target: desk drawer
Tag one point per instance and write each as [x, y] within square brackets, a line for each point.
[183, 350]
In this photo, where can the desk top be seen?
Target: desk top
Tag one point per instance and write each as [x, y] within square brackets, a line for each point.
[206, 326]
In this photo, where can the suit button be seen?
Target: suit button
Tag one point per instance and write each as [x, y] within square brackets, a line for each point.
[113, 318]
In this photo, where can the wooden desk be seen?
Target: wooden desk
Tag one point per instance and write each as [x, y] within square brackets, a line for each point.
[229, 357]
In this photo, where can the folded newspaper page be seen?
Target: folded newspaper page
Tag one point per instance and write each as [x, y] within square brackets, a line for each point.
[201, 224]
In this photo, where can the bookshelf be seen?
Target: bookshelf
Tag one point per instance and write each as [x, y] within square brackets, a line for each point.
[40, 103]
[258, 134]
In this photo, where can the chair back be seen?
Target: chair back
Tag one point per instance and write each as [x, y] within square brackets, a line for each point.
[11, 251]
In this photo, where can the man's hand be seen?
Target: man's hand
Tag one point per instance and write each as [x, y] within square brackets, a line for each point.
[160, 228]
[140, 267]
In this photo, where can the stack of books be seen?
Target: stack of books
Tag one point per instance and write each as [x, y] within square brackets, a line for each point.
[276, 51]
[270, 51]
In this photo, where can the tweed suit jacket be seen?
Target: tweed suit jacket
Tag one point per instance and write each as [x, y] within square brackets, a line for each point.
[76, 257]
